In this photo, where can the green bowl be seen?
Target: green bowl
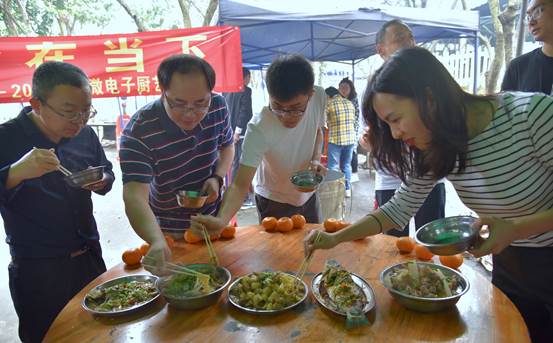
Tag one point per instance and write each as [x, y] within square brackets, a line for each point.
[448, 236]
[306, 180]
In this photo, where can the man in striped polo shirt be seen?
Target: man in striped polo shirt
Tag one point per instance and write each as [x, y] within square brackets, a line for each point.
[181, 141]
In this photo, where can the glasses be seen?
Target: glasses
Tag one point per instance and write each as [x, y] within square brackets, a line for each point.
[180, 108]
[289, 113]
[535, 13]
[76, 116]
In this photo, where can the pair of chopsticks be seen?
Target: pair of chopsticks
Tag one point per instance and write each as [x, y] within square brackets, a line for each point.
[212, 256]
[307, 259]
[201, 278]
[64, 170]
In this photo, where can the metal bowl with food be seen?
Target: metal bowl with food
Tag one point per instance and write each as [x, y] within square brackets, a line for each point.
[121, 296]
[267, 292]
[306, 180]
[185, 292]
[448, 236]
[85, 177]
[191, 199]
[424, 286]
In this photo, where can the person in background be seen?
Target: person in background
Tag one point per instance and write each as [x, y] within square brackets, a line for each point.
[50, 226]
[533, 72]
[342, 138]
[285, 137]
[347, 90]
[391, 37]
[181, 141]
[240, 108]
[496, 150]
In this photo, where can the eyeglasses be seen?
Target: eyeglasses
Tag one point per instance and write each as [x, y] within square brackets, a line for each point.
[535, 13]
[289, 113]
[180, 108]
[76, 116]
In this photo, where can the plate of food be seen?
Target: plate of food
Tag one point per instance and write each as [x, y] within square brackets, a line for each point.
[424, 286]
[267, 292]
[121, 296]
[343, 293]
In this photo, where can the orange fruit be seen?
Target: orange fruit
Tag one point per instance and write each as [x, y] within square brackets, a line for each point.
[341, 224]
[285, 224]
[330, 225]
[423, 253]
[144, 249]
[453, 261]
[405, 244]
[269, 223]
[228, 232]
[299, 221]
[132, 257]
[170, 242]
[190, 237]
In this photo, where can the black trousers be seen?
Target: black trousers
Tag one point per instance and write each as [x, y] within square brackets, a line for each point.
[433, 208]
[311, 210]
[40, 288]
[525, 275]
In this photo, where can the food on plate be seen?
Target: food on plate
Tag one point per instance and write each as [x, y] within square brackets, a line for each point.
[299, 221]
[132, 257]
[121, 296]
[423, 253]
[453, 261]
[267, 291]
[189, 285]
[285, 224]
[405, 244]
[228, 232]
[269, 223]
[423, 281]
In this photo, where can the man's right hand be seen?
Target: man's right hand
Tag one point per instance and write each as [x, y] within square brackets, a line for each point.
[214, 225]
[157, 257]
[35, 163]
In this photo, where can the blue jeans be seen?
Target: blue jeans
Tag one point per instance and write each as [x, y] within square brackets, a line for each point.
[339, 158]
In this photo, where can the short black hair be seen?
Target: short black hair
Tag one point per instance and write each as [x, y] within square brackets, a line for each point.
[331, 91]
[51, 74]
[289, 76]
[184, 64]
[245, 72]
[379, 38]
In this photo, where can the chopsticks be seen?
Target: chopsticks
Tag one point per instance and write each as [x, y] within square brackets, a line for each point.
[201, 278]
[212, 256]
[64, 170]
[307, 259]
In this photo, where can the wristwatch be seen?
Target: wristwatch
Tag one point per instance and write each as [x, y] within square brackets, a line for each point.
[219, 179]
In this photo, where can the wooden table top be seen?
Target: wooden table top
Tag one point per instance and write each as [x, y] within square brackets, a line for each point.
[484, 314]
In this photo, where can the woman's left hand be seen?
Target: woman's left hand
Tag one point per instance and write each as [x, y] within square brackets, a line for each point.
[501, 233]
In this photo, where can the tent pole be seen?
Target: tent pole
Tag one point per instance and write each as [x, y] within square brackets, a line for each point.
[476, 62]
[352, 70]
[521, 27]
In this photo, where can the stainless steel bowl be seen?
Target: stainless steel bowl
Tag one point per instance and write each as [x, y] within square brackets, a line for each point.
[426, 304]
[306, 180]
[85, 177]
[87, 303]
[256, 311]
[448, 236]
[191, 199]
[194, 303]
[364, 285]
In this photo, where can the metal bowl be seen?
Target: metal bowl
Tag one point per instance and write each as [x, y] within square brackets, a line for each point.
[421, 304]
[87, 303]
[364, 285]
[306, 180]
[191, 199]
[194, 303]
[263, 312]
[448, 236]
[85, 177]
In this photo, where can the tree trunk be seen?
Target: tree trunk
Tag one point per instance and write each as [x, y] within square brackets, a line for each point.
[499, 56]
[184, 8]
[25, 22]
[137, 20]
[8, 19]
[507, 20]
[210, 12]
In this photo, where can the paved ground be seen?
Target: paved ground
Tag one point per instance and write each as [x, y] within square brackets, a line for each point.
[117, 235]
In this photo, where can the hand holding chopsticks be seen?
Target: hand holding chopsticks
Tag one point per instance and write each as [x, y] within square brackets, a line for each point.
[307, 259]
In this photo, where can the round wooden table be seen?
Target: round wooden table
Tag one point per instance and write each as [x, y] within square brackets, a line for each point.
[484, 314]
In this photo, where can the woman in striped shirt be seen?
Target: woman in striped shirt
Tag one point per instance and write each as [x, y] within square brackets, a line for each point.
[496, 150]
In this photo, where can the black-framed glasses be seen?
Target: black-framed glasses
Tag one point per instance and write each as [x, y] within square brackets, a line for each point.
[73, 116]
[202, 107]
[535, 13]
[289, 113]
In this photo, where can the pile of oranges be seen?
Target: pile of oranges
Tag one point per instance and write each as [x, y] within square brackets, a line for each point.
[333, 225]
[133, 257]
[283, 224]
[406, 245]
[227, 233]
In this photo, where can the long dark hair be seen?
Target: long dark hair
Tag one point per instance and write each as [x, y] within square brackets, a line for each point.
[352, 93]
[415, 73]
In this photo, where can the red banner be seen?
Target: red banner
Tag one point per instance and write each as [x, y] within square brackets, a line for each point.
[120, 64]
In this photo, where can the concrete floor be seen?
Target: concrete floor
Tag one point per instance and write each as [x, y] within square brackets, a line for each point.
[116, 235]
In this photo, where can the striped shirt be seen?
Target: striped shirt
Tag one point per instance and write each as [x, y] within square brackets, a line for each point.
[341, 121]
[509, 170]
[155, 150]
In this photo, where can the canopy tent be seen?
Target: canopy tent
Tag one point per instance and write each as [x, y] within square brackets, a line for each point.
[332, 31]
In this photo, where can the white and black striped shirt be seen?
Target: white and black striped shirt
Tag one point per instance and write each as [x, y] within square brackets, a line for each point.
[509, 170]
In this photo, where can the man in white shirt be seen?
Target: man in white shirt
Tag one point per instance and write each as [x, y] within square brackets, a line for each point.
[284, 138]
